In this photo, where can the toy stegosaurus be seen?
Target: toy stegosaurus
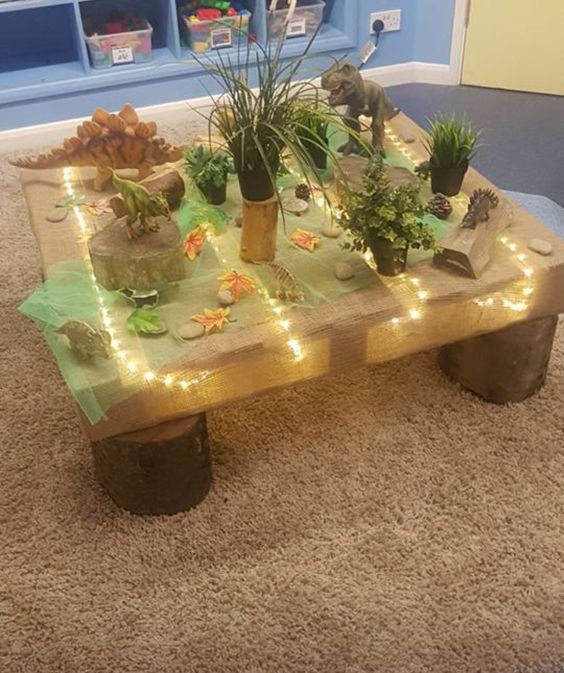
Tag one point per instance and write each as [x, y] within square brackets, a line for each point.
[109, 142]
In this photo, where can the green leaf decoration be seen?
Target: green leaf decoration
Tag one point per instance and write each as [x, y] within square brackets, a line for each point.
[145, 321]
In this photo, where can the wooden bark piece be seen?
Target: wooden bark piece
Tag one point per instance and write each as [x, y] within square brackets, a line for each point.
[169, 183]
[258, 237]
[469, 250]
[119, 262]
[163, 470]
[504, 366]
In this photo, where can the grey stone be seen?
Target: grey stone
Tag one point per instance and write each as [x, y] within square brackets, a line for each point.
[57, 214]
[225, 298]
[540, 245]
[190, 330]
[343, 271]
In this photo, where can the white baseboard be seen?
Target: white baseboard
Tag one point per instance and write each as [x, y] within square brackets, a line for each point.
[29, 137]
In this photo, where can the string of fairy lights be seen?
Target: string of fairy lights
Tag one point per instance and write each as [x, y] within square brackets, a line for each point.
[130, 365]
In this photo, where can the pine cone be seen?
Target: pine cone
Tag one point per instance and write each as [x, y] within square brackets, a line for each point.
[439, 206]
[302, 191]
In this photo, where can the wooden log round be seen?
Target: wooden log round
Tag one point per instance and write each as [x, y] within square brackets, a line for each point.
[258, 236]
[162, 470]
[504, 366]
[169, 183]
[155, 257]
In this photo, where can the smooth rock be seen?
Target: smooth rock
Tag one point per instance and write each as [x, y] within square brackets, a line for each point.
[540, 245]
[225, 298]
[293, 205]
[57, 214]
[331, 229]
[343, 271]
[190, 330]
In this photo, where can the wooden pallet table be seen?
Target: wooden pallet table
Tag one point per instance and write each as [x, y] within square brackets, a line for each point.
[495, 334]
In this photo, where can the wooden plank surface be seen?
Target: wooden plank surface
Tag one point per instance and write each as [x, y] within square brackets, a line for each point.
[427, 307]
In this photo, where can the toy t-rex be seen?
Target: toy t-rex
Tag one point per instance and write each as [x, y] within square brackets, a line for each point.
[140, 205]
[346, 87]
[109, 142]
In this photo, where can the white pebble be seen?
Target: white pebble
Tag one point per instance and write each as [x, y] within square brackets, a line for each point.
[190, 330]
[57, 214]
[343, 271]
[293, 205]
[225, 298]
[540, 245]
[331, 229]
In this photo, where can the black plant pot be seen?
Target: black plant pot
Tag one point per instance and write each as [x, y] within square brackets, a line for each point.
[318, 154]
[256, 185]
[215, 195]
[389, 260]
[448, 180]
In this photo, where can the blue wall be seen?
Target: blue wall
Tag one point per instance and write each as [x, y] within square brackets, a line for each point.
[425, 36]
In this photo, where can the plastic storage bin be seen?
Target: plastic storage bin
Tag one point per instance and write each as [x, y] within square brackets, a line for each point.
[114, 49]
[227, 31]
[306, 20]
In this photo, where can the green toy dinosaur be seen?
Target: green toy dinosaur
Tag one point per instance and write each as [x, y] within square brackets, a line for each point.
[140, 206]
[346, 87]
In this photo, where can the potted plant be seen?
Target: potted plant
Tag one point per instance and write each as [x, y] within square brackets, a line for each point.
[312, 127]
[209, 171]
[386, 220]
[451, 144]
[258, 126]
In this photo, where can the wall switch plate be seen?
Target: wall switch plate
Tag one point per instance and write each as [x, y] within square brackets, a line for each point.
[391, 20]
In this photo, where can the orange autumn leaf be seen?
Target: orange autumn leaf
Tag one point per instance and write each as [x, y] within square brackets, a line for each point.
[212, 319]
[194, 242]
[305, 239]
[237, 284]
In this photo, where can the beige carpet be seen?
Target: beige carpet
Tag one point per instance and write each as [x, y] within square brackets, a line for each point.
[383, 521]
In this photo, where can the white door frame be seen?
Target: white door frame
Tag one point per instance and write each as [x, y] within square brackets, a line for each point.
[460, 24]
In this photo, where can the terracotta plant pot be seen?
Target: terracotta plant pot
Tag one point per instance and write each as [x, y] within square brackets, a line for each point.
[215, 195]
[258, 236]
[448, 180]
[389, 260]
[256, 185]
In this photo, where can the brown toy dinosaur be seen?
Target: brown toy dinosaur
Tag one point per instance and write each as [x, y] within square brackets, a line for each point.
[109, 142]
[346, 87]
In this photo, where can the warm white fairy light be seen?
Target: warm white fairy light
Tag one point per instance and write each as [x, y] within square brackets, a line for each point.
[415, 313]
[168, 379]
[149, 376]
[132, 367]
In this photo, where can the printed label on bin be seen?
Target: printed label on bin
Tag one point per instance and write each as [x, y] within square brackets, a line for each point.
[296, 28]
[122, 55]
[221, 37]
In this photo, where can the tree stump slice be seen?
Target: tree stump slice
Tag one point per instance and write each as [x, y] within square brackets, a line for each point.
[139, 264]
[258, 236]
[163, 470]
[504, 366]
[169, 183]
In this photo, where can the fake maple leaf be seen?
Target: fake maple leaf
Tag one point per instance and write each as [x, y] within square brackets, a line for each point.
[98, 208]
[194, 242]
[212, 319]
[237, 284]
[305, 239]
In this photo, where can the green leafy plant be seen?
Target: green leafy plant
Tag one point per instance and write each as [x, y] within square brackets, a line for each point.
[207, 167]
[145, 321]
[259, 125]
[451, 141]
[312, 123]
[383, 211]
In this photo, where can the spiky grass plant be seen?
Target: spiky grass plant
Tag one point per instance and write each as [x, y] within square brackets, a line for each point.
[451, 141]
[259, 125]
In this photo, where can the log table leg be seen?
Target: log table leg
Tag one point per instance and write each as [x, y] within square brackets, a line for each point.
[505, 366]
[162, 470]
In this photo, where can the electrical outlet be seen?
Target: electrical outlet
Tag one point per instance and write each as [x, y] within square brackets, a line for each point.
[391, 20]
